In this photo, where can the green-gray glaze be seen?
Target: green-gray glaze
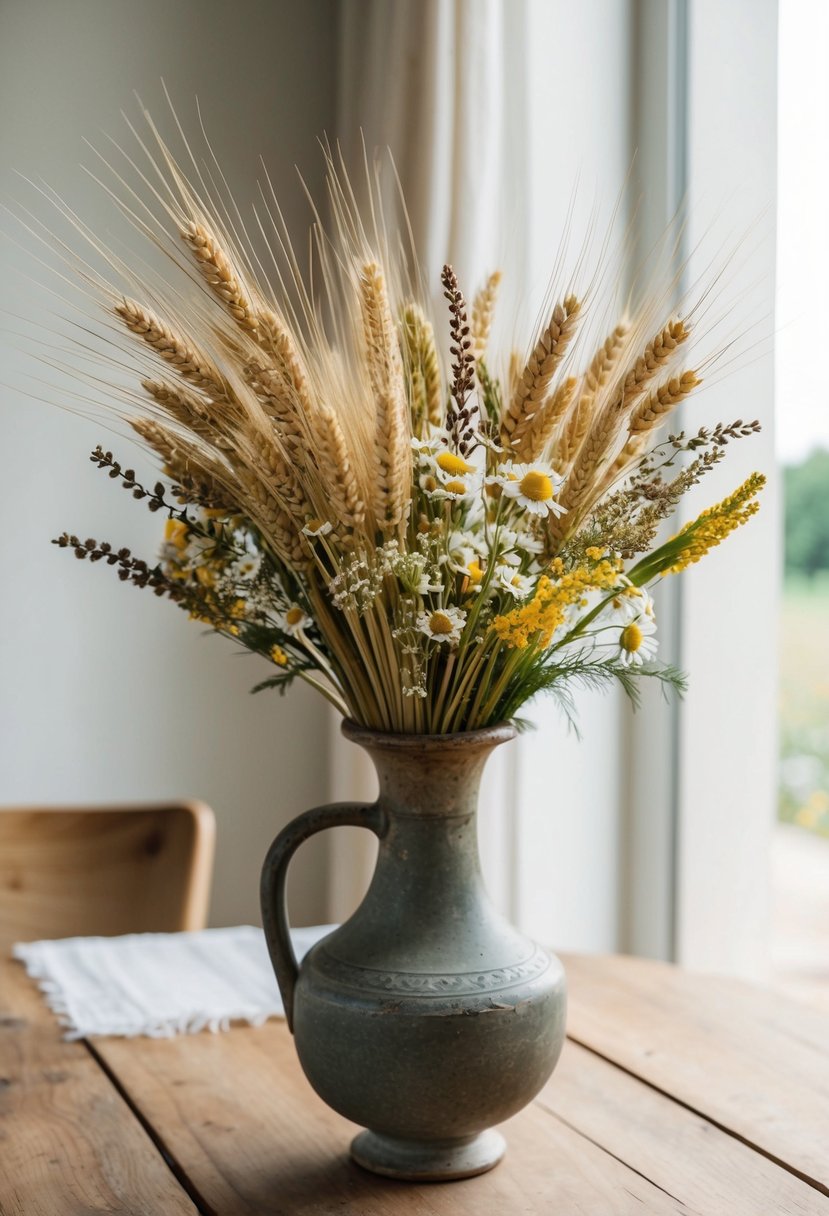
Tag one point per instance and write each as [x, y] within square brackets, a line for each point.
[426, 1017]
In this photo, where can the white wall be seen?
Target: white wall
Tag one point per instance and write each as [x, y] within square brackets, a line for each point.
[569, 792]
[106, 693]
[728, 728]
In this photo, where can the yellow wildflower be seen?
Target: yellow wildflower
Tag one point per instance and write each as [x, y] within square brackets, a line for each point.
[205, 576]
[717, 522]
[176, 533]
[546, 611]
[279, 656]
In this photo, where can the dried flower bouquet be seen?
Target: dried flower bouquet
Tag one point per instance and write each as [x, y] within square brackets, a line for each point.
[429, 547]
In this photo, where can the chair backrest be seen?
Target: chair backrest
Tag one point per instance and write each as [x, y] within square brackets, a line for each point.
[67, 872]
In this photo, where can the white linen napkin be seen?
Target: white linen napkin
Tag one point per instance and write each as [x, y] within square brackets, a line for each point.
[160, 984]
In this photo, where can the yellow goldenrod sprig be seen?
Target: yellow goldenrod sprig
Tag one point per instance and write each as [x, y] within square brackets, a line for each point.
[704, 533]
[555, 593]
[716, 523]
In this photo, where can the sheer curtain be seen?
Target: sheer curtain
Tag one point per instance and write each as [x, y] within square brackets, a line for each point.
[429, 82]
[484, 106]
[511, 123]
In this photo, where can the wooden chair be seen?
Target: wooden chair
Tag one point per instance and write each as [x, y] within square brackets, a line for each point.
[67, 872]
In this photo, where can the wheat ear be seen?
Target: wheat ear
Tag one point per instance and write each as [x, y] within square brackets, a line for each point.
[658, 352]
[216, 270]
[534, 382]
[274, 393]
[275, 337]
[632, 450]
[547, 418]
[188, 463]
[483, 308]
[655, 408]
[278, 501]
[392, 493]
[583, 485]
[422, 362]
[190, 363]
[336, 470]
[599, 372]
[187, 408]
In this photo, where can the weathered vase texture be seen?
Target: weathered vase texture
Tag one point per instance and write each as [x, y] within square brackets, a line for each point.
[426, 1018]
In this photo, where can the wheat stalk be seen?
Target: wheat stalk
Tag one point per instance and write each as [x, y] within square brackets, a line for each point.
[542, 427]
[216, 270]
[421, 357]
[392, 491]
[188, 462]
[275, 337]
[483, 308]
[580, 486]
[516, 366]
[274, 394]
[541, 366]
[658, 352]
[278, 502]
[598, 374]
[193, 365]
[185, 407]
[653, 411]
[583, 485]
[306, 428]
[339, 479]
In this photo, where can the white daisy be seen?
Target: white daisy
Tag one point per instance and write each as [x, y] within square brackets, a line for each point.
[637, 643]
[518, 585]
[294, 620]
[246, 567]
[509, 542]
[462, 549]
[475, 572]
[442, 624]
[533, 486]
[427, 445]
[453, 488]
[630, 603]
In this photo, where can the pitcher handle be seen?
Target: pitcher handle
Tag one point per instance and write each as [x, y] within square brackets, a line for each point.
[274, 880]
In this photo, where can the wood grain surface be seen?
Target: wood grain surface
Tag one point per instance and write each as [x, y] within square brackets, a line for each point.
[743, 1057]
[675, 1094]
[69, 1144]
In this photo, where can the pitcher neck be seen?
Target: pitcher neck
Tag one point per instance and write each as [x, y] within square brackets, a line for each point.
[429, 776]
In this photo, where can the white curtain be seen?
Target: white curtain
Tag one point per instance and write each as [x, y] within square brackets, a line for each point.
[647, 836]
[429, 82]
[484, 106]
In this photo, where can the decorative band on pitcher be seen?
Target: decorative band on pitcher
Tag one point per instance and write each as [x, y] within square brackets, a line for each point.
[417, 983]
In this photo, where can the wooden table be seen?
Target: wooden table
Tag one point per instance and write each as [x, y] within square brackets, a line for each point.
[675, 1093]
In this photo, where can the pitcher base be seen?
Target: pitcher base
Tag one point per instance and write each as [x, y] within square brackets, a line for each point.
[428, 1160]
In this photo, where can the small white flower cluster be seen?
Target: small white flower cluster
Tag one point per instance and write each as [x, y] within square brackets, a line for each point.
[356, 584]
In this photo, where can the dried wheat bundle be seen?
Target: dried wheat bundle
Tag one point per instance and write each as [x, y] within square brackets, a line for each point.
[428, 542]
